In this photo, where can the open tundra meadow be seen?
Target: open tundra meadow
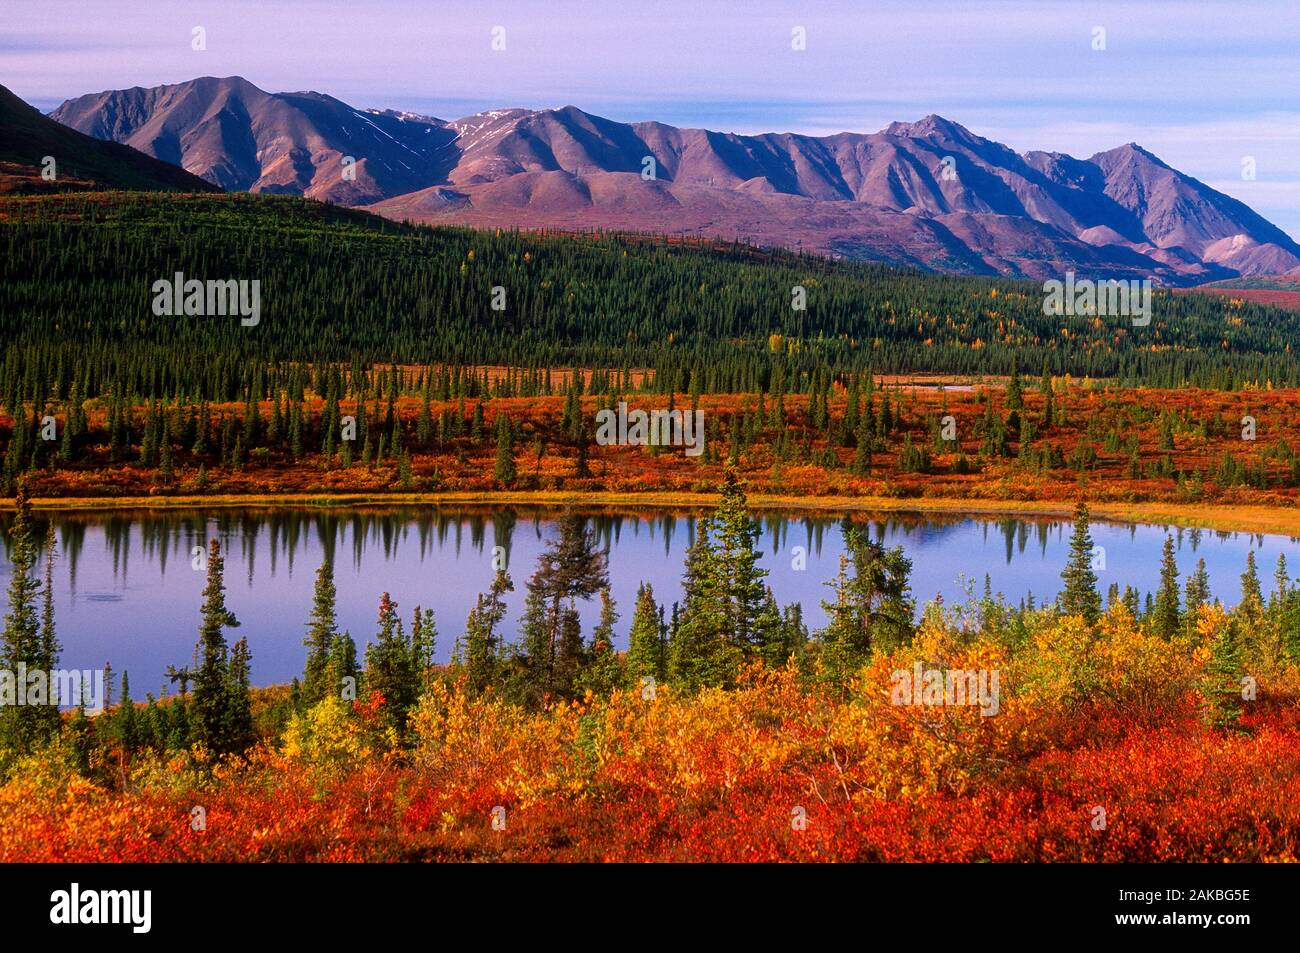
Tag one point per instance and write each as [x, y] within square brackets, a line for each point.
[635, 481]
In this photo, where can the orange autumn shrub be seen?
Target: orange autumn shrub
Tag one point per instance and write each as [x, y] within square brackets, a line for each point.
[1079, 676]
[776, 769]
[902, 747]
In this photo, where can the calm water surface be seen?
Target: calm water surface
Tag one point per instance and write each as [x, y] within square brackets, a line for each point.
[126, 592]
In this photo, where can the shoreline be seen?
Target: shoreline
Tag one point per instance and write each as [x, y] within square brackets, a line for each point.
[1230, 518]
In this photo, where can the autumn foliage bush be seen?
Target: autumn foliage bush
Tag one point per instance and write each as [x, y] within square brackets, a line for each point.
[1110, 718]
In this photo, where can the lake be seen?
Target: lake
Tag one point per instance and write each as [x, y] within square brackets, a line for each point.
[126, 591]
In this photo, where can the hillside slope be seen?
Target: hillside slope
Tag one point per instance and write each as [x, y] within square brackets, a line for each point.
[338, 282]
[81, 161]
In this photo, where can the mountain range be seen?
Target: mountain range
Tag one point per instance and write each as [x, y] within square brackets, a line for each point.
[928, 194]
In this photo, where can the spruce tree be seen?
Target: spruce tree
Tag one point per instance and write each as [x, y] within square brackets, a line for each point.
[1080, 596]
[124, 725]
[1252, 598]
[1221, 687]
[862, 454]
[49, 638]
[740, 578]
[604, 670]
[1015, 393]
[239, 710]
[873, 607]
[702, 652]
[1281, 580]
[570, 568]
[212, 677]
[570, 656]
[504, 471]
[343, 666]
[1166, 620]
[390, 666]
[480, 648]
[322, 631]
[796, 636]
[424, 423]
[583, 467]
[646, 651]
[775, 640]
[25, 640]
[844, 643]
[1198, 590]
[536, 653]
[424, 643]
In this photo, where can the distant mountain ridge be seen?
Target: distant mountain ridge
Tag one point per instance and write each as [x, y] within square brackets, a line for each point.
[238, 137]
[929, 194]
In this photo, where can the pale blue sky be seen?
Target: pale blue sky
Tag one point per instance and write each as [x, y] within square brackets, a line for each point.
[1202, 83]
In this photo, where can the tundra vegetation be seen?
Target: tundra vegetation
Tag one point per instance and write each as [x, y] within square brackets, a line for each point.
[379, 364]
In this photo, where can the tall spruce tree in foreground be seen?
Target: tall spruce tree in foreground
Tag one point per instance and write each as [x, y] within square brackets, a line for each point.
[392, 668]
[795, 636]
[571, 568]
[1252, 597]
[1080, 596]
[25, 639]
[570, 656]
[1288, 620]
[880, 592]
[213, 692]
[647, 653]
[873, 608]
[1166, 619]
[701, 653]
[1281, 581]
[480, 648]
[776, 640]
[124, 725]
[322, 631]
[729, 615]
[344, 671]
[604, 666]
[49, 640]
[740, 585]
[424, 644]
[1221, 685]
[1198, 591]
[843, 645]
[239, 708]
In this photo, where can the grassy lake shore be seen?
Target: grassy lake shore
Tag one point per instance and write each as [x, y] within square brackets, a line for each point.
[1239, 518]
